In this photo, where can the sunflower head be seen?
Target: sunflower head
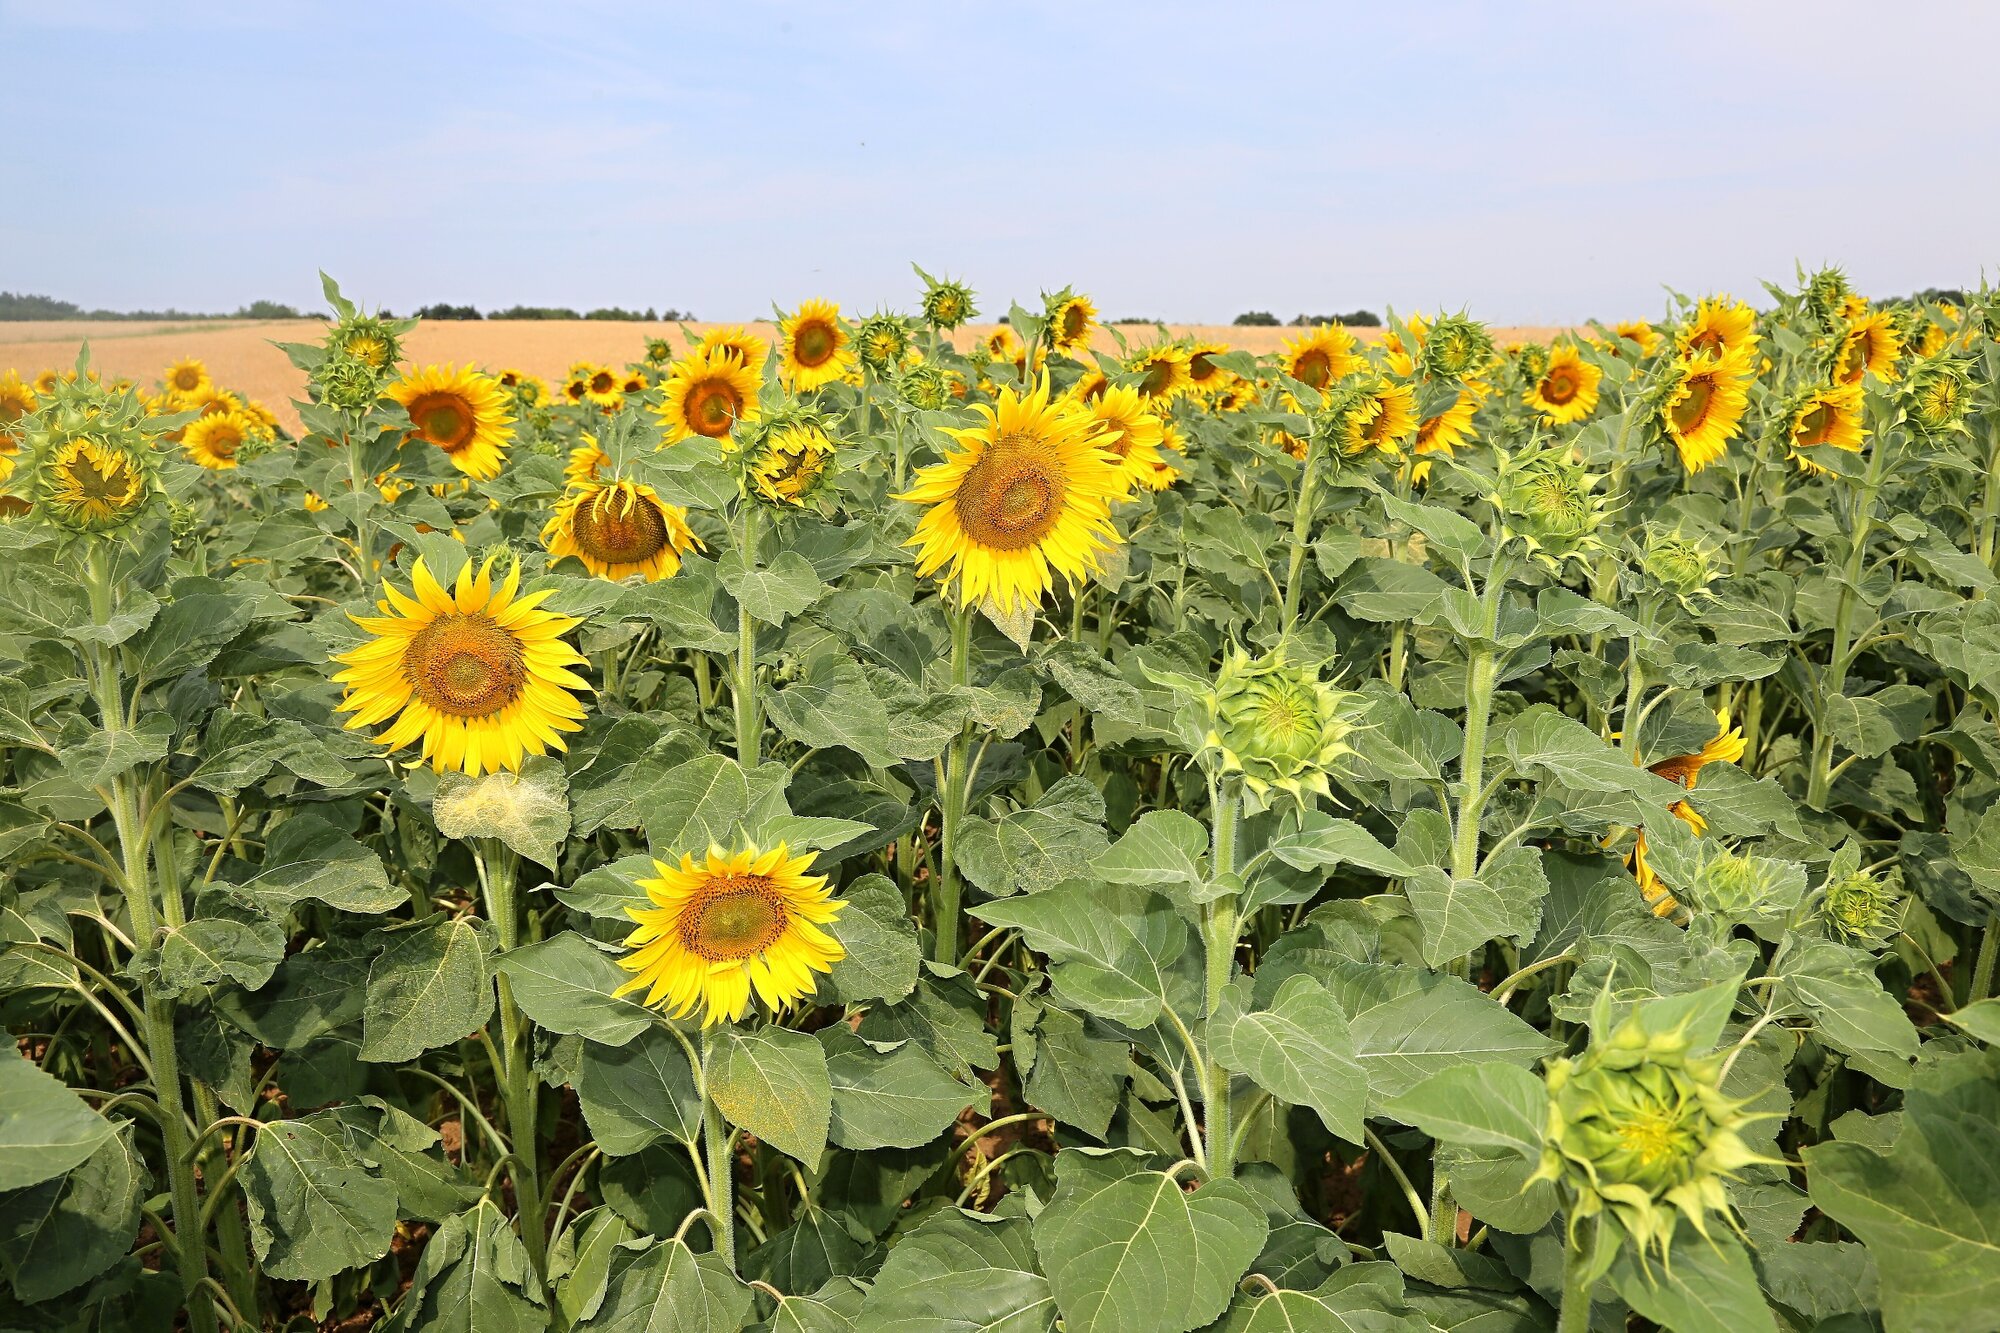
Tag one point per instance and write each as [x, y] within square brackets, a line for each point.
[658, 351]
[1455, 346]
[729, 926]
[946, 304]
[790, 464]
[1639, 1133]
[91, 466]
[1279, 726]
[1163, 371]
[17, 401]
[1936, 395]
[1824, 417]
[1638, 331]
[1739, 887]
[1681, 567]
[370, 339]
[186, 378]
[1702, 402]
[219, 440]
[707, 394]
[737, 341]
[882, 340]
[1550, 501]
[815, 346]
[1132, 433]
[620, 529]
[1071, 319]
[462, 412]
[925, 386]
[1859, 907]
[1321, 356]
[1565, 389]
[477, 673]
[1827, 299]
[1720, 326]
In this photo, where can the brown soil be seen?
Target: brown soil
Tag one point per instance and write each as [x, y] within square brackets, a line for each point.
[241, 357]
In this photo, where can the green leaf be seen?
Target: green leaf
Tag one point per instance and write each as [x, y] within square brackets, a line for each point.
[1459, 915]
[960, 1272]
[1323, 842]
[891, 1098]
[805, 1254]
[834, 1308]
[564, 984]
[225, 941]
[191, 628]
[1114, 948]
[1478, 1106]
[45, 1129]
[581, 1260]
[692, 805]
[1929, 1208]
[315, 1209]
[1408, 1025]
[881, 943]
[1836, 985]
[633, 1093]
[1057, 838]
[1073, 1076]
[1378, 589]
[1297, 1048]
[773, 1082]
[1708, 1287]
[831, 707]
[474, 1277]
[1127, 1249]
[59, 1234]
[1547, 746]
[665, 1287]
[528, 810]
[92, 758]
[1163, 847]
[1820, 1279]
[241, 749]
[428, 987]
[773, 594]
[307, 857]
[1446, 530]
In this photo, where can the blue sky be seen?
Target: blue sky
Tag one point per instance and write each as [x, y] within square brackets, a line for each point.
[1536, 162]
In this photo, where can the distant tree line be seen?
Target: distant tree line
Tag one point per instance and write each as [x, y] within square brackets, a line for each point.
[24, 305]
[1360, 319]
[649, 315]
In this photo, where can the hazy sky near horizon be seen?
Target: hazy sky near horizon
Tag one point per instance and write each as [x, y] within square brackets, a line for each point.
[1544, 161]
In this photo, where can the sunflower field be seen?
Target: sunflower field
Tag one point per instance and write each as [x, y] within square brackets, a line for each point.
[899, 830]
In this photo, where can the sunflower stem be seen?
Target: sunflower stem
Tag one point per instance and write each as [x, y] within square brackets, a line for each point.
[1302, 517]
[191, 1248]
[364, 526]
[1833, 680]
[518, 1091]
[721, 1167]
[951, 802]
[1221, 921]
[749, 721]
[1574, 1316]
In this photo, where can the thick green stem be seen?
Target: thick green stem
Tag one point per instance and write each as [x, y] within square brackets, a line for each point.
[749, 720]
[1574, 1317]
[1982, 967]
[1989, 504]
[518, 1091]
[364, 527]
[1220, 922]
[1480, 673]
[1833, 681]
[721, 1170]
[951, 804]
[1302, 517]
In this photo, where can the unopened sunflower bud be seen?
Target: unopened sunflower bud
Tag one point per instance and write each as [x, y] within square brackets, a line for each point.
[348, 383]
[369, 339]
[946, 304]
[1857, 907]
[881, 341]
[1935, 394]
[925, 387]
[1682, 567]
[1279, 726]
[1549, 500]
[91, 468]
[1455, 347]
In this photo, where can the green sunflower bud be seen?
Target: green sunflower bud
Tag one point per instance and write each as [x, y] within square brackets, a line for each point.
[658, 351]
[925, 387]
[92, 469]
[1682, 567]
[882, 341]
[1639, 1133]
[1279, 726]
[1534, 361]
[1935, 395]
[789, 463]
[348, 383]
[1549, 500]
[946, 304]
[1742, 888]
[1455, 347]
[1826, 296]
[373, 341]
[1857, 907]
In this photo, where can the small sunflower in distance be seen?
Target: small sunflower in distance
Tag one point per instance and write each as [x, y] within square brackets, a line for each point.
[1204, 375]
[1163, 372]
[1026, 498]
[1704, 405]
[462, 412]
[187, 378]
[621, 529]
[1072, 319]
[1132, 434]
[214, 441]
[604, 387]
[17, 400]
[1567, 389]
[729, 925]
[1720, 325]
[791, 464]
[1638, 331]
[1320, 357]
[707, 394]
[814, 346]
[946, 304]
[479, 675]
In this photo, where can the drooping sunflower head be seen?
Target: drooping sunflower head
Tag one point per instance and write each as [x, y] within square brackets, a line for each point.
[1826, 417]
[620, 529]
[707, 394]
[790, 465]
[215, 441]
[946, 304]
[462, 412]
[728, 926]
[1720, 326]
[1132, 433]
[1550, 501]
[1683, 568]
[1277, 726]
[1072, 319]
[1706, 396]
[1450, 429]
[1936, 394]
[1322, 356]
[737, 341]
[814, 346]
[1163, 372]
[1640, 1134]
[186, 378]
[1004, 345]
[882, 341]
[1026, 497]
[1566, 389]
[1871, 346]
[478, 674]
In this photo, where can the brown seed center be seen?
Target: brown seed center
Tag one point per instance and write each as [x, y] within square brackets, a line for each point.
[445, 419]
[466, 666]
[1012, 497]
[813, 344]
[712, 408]
[737, 917]
[619, 528]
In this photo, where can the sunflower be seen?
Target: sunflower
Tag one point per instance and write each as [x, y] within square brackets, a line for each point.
[1002, 345]
[791, 464]
[1204, 376]
[1870, 347]
[1071, 321]
[1720, 325]
[1443, 433]
[586, 463]
[1639, 331]
[707, 394]
[1320, 357]
[86, 485]
[480, 675]
[1132, 434]
[17, 400]
[1162, 371]
[602, 387]
[462, 412]
[45, 383]
[724, 926]
[213, 440]
[814, 346]
[620, 529]
[1705, 404]
[1393, 421]
[1826, 417]
[734, 341]
[574, 388]
[1567, 389]
[1090, 386]
[1726, 747]
[1027, 497]
[1237, 396]
[634, 382]
[187, 378]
